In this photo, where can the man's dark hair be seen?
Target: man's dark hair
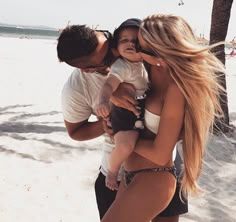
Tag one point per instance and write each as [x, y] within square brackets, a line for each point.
[76, 41]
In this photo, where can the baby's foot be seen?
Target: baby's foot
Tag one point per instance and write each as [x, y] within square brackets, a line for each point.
[111, 180]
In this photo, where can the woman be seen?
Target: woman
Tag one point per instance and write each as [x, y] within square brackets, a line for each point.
[185, 101]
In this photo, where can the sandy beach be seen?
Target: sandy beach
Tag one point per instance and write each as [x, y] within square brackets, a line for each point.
[46, 176]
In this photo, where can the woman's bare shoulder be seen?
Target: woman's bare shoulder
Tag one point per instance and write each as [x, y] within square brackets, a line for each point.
[174, 100]
[174, 89]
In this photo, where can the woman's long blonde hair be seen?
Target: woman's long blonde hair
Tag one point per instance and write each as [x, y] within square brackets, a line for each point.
[194, 69]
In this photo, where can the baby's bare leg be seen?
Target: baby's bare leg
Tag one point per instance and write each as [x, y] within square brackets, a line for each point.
[124, 145]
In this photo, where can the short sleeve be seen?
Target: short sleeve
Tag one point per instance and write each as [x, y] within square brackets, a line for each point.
[74, 104]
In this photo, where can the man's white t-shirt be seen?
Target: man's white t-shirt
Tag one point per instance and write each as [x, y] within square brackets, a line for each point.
[79, 97]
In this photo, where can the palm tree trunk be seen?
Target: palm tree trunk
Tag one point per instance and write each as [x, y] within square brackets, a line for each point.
[219, 27]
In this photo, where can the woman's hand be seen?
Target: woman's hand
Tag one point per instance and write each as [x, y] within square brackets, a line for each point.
[124, 97]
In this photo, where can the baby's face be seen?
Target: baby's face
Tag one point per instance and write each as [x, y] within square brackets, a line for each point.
[126, 44]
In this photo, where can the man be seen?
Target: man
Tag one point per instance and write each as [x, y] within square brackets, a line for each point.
[90, 52]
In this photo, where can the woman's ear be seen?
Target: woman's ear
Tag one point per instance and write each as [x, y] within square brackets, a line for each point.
[159, 62]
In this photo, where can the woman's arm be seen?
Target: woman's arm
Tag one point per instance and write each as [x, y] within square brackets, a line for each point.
[160, 149]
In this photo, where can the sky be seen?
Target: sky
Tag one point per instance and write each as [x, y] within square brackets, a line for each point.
[108, 14]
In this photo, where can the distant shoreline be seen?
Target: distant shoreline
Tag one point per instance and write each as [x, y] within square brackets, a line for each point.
[28, 32]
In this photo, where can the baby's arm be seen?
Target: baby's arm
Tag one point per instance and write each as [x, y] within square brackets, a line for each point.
[111, 84]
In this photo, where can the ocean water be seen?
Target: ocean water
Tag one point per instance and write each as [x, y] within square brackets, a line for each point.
[28, 32]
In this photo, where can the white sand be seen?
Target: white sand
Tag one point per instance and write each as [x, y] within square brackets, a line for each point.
[46, 176]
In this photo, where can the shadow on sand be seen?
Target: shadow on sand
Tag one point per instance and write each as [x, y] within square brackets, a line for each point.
[19, 126]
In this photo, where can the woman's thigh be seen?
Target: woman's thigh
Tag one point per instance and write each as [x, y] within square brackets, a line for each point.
[122, 188]
[147, 195]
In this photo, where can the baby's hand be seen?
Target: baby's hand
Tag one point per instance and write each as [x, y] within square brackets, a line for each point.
[103, 110]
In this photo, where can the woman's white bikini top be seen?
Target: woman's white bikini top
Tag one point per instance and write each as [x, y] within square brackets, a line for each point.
[151, 122]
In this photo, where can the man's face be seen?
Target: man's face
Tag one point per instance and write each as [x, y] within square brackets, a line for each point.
[97, 60]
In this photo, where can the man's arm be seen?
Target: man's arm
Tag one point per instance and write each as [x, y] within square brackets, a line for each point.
[84, 130]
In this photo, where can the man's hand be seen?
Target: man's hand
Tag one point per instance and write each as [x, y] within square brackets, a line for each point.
[106, 123]
[124, 97]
